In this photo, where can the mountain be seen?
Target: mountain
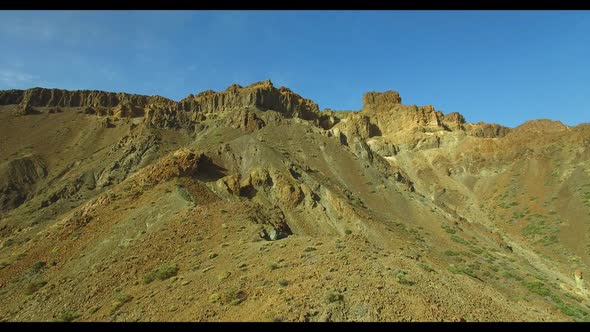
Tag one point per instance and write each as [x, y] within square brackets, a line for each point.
[251, 204]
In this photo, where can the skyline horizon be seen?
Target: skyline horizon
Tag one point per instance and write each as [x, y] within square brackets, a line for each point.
[501, 67]
[320, 107]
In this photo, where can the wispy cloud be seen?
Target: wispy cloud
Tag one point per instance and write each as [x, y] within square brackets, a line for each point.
[16, 79]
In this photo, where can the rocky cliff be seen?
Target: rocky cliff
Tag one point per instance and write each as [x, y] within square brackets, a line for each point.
[40, 97]
[382, 113]
[262, 95]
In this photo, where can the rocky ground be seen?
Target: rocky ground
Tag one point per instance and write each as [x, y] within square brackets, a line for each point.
[251, 204]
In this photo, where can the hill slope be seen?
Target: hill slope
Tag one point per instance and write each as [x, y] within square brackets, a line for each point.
[252, 204]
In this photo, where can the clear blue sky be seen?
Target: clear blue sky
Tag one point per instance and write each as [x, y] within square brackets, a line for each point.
[495, 66]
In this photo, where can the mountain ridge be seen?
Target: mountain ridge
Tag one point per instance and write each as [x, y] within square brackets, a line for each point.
[252, 204]
[55, 97]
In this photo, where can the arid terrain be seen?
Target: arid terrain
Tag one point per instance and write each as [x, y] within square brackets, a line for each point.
[251, 204]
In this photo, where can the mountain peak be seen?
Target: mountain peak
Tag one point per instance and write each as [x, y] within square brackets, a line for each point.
[262, 95]
[376, 100]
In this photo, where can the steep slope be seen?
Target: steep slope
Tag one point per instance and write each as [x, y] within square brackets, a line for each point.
[251, 204]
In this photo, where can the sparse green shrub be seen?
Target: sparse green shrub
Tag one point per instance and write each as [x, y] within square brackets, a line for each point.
[223, 276]
[570, 310]
[120, 300]
[309, 249]
[68, 316]
[426, 267]
[402, 278]
[538, 288]
[123, 298]
[460, 240]
[235, 296]
[348, 232]
[448, 229]
[549, 240]
[273, 266]
[214, 297]
[34, 286]
[474, 266]
[534, 228]
[451, 253]
[455, 269]
[284, 282]
[458, 259]
[489, 257]
[333, 296]
[461, 269]
[476, 250]
[510, 274]
[37, 267]
[162, 273]
[540, 277]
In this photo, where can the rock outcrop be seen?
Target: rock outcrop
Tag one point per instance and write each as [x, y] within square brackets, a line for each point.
[262, 95]
[25, 109]
[487, 130]
[382, 113]
[377, 101]
[454, 121]
[41, 97]
[181, 163]
[17, 180]
[390, 116]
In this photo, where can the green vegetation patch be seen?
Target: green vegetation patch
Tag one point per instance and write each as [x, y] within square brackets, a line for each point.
[120, 300]
[37, 267]
[549, 240]
[571, 310]
[34, 286]
[448, 229]
[334, 296]
[402, 278]
[451, 253]
[512, 275]
[234, 296]
[460, 240]
[534, 228]
[476, 250]
[161, 273]
[462, 269]
[538, 288]
[426, 267]
[68, 316]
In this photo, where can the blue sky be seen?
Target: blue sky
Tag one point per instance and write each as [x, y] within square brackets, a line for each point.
[494, 66]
